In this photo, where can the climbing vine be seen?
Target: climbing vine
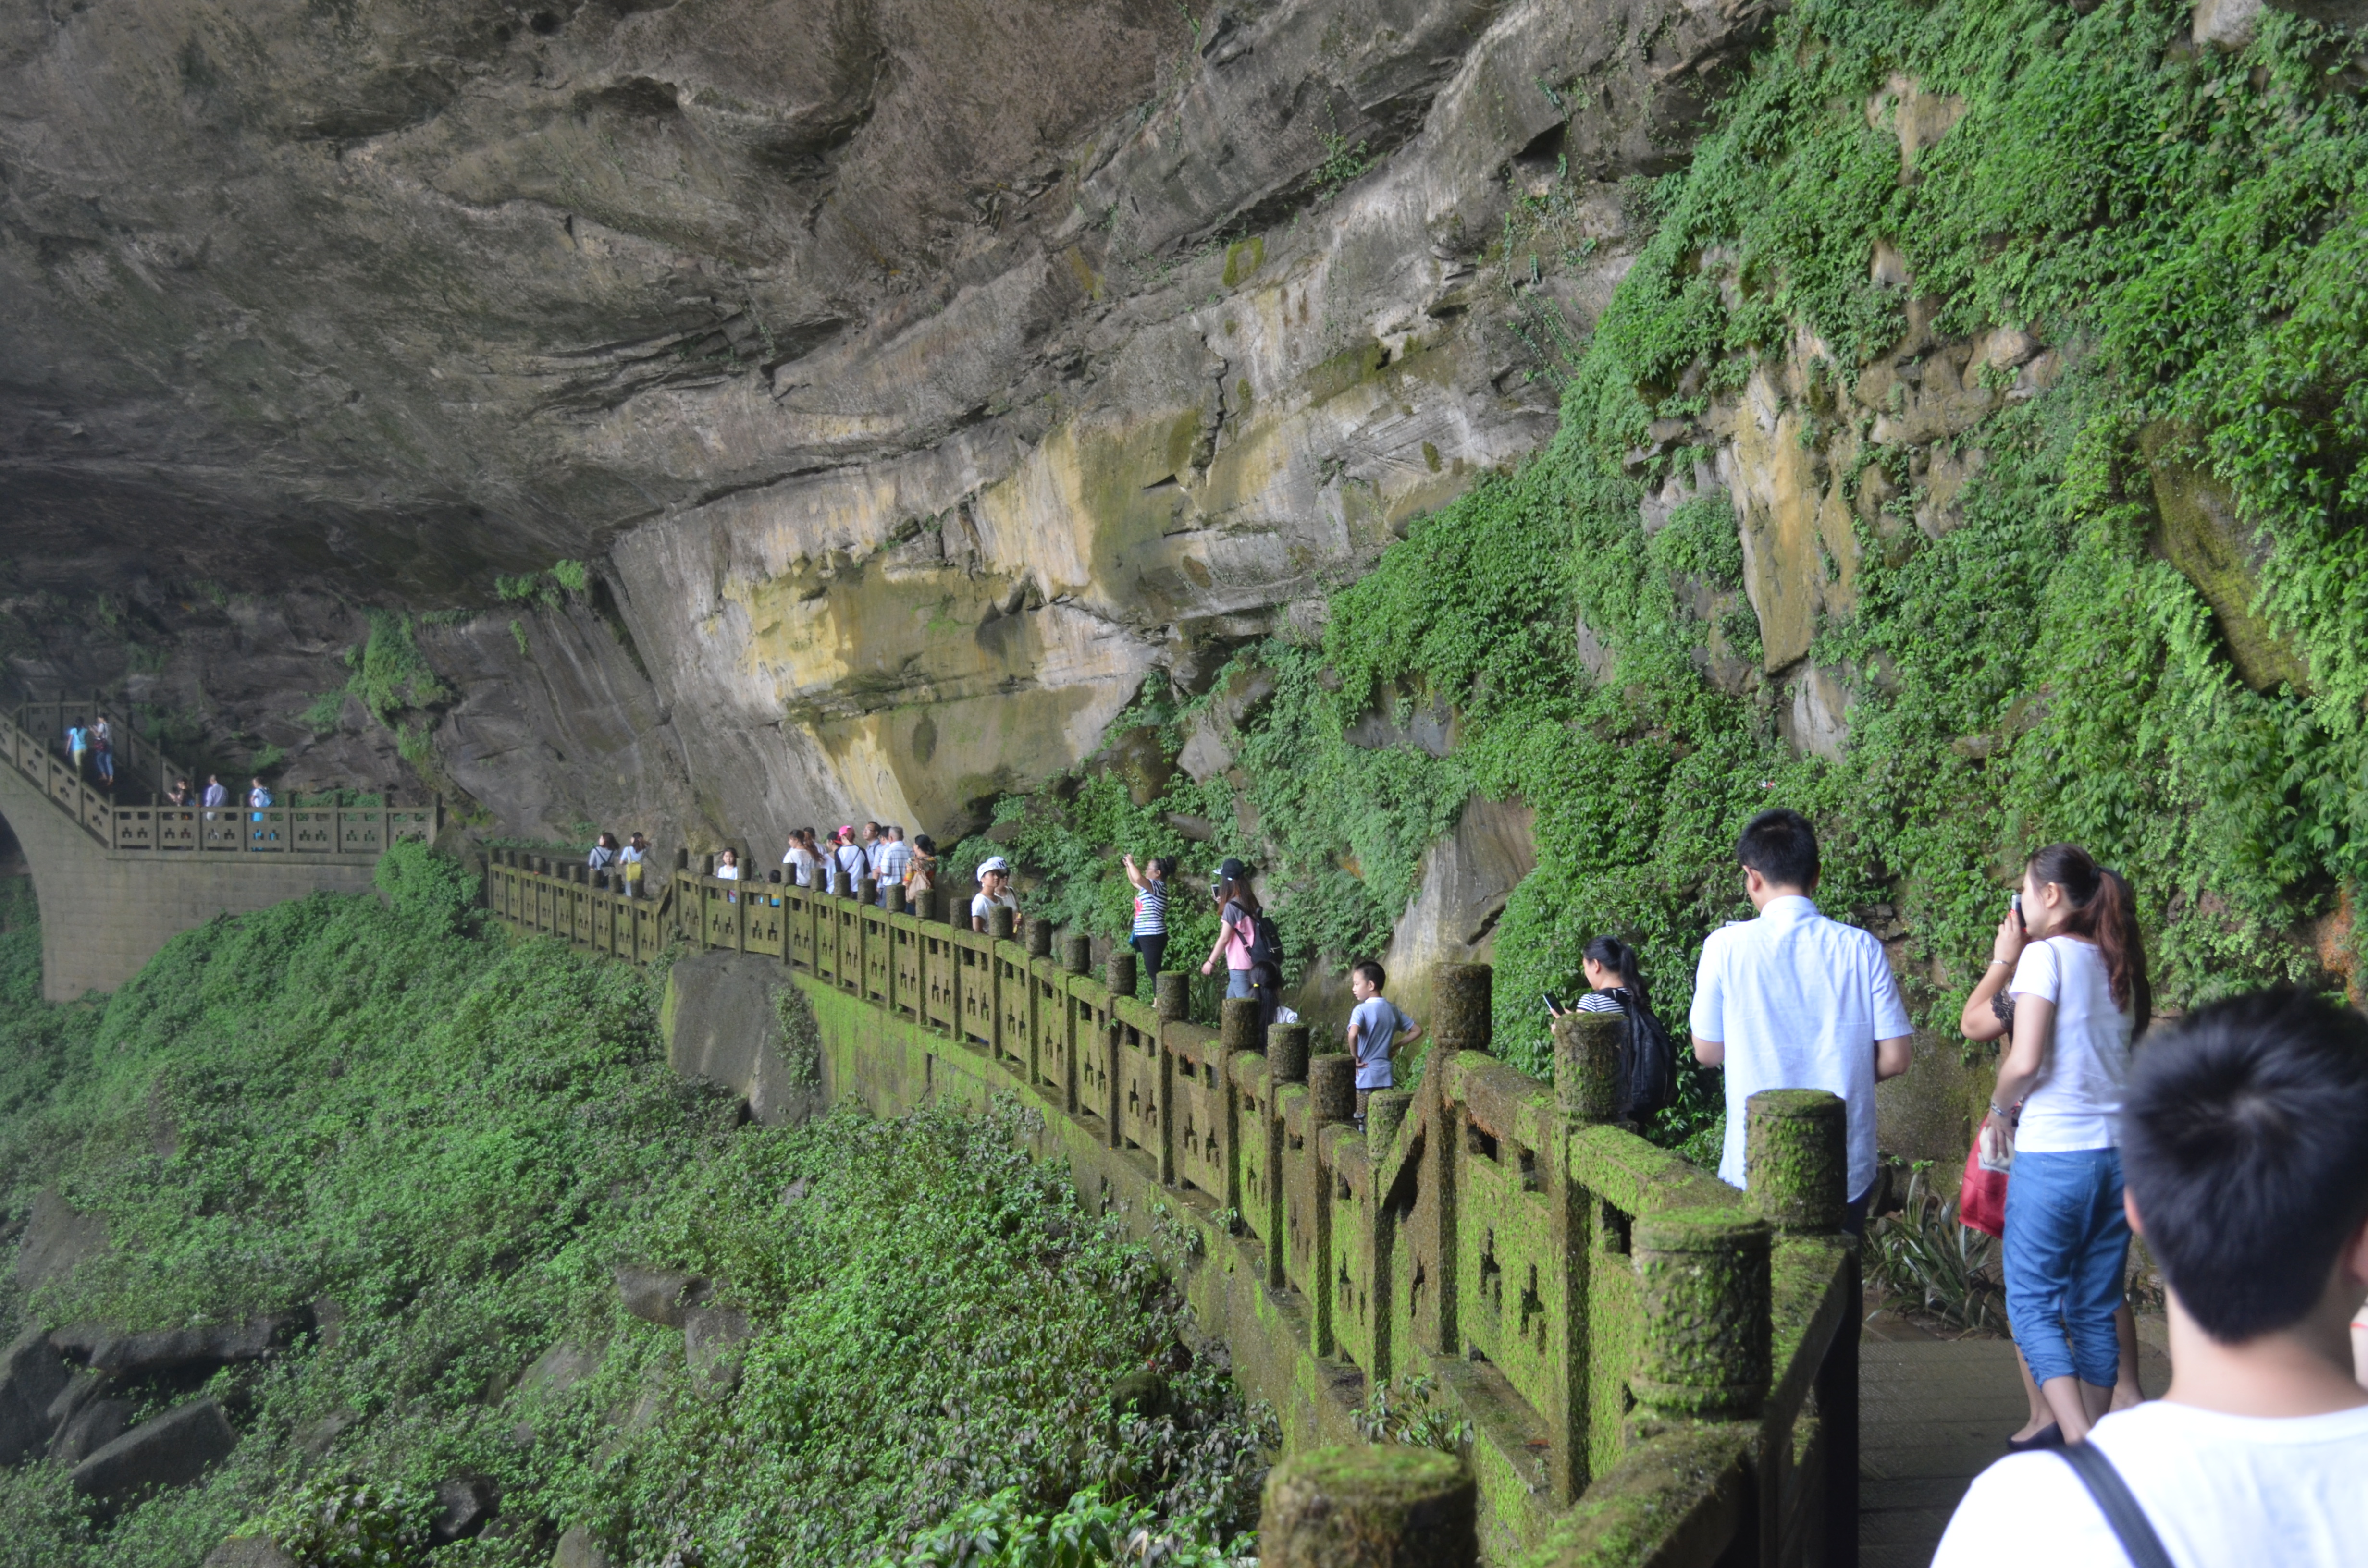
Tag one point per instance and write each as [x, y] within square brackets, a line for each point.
[2185, 229]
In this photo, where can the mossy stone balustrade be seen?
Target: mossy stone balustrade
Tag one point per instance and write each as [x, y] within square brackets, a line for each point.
[1378, 1505]
[1634, 1343]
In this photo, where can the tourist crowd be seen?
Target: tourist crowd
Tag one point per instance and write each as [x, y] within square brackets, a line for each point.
[2235, 1143]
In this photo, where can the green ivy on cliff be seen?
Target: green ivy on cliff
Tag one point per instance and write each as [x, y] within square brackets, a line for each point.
[2186, 229]
[443, 1141]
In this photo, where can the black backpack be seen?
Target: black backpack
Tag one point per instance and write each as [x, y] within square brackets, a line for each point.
[1266, 944]
[1649, 1062]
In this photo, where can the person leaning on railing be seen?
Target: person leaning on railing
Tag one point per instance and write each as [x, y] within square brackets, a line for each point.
[631, 862]
[921, 874]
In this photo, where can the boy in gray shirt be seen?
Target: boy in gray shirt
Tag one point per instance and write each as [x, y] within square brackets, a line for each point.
[1375, 1029]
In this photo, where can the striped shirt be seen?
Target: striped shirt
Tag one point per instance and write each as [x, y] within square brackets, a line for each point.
[1151, 909]
[1597, 1002]
[889, 866]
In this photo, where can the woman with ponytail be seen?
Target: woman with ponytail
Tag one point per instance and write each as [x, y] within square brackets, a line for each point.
[2079, 996]
[1612, 969]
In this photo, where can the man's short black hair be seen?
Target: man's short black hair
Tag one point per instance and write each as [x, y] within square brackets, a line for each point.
[1781, 846]
[2245, 1143]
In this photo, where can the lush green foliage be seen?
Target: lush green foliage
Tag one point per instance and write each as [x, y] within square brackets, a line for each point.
[2187, 227]
[446, 1141]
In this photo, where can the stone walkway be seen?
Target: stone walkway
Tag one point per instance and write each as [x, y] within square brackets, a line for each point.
[1933, 1414]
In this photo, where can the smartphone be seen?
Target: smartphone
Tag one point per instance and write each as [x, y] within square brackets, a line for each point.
[2016, 904]
[1552, 1010]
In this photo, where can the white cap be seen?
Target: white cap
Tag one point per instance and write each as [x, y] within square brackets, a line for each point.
[993, 863]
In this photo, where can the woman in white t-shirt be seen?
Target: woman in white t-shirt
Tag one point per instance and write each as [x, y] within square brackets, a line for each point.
[800, 858]
[727, 870]
[2081, 995]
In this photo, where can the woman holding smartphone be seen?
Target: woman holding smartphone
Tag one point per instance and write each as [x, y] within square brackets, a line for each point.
[2078, 995]
[1989, 1015]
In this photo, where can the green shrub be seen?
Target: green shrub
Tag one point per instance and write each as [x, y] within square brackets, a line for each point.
[434, 890]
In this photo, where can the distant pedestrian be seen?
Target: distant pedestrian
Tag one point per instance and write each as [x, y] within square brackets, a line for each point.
[631, 862]
[1237, 916]
[994, 891]
[1376, 1029]
[216, 795]
[727, 870]
[848, 862]
[1149, 937]
[604, 853]
[1615, 980]
[871, 844]
[102, 752]
[78, 743]
[921, 876]
[801, 857]
[179, 795]
[895, 856]
[258, 798]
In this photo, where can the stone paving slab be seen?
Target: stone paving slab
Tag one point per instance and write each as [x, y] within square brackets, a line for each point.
[1933, 1414]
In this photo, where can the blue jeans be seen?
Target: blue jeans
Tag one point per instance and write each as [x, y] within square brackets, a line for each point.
[2066, 1239]
[1241, 983]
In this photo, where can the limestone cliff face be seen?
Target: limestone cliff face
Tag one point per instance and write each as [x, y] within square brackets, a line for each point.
[916, 377]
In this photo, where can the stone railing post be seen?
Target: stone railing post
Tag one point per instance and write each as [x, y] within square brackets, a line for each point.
[1588, 1072]
[895, 898]
[1796, 1161]
[1236, 1033]
[1078, 953]
[1797, 1158]
[1703, 1278]
[1332, 1087]
[867, 890]
[1378, 1505]
[1286, 1045]
[1386, 1113]
[1040, 936]
[1118, 973]
[999, 923]
[1172, 998]
[1462, 996]
[1331, 1098]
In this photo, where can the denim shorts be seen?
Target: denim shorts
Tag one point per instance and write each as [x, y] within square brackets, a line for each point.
[2066, 1241]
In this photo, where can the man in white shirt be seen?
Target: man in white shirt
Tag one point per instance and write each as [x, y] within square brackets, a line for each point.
[890, 864]
[1795, 1001]
[2244, 1140]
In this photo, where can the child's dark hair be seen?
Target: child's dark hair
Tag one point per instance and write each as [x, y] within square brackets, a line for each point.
[1621, 960]
[1780, 846]
[2245, 1146]
[1372, 969]
[2105, 911]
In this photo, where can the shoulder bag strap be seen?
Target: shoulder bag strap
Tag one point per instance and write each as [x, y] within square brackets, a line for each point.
[2114, 1500]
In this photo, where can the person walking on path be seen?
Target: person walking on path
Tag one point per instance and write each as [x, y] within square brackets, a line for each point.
[1376, 1029]
[215, 796]
[2245, 1133]
[872, 844]
[630, 861]
[895, 856]
[801, 858]
[1793, 1000]
[258, 798]
[2080, 996]
[77, 746]
[1988, 1015]
[102, 752]
[1149, 937]
[921, 876]
[847, 863]
[993, 889]
[604, 853]
[1237, 912]
[1615, 978]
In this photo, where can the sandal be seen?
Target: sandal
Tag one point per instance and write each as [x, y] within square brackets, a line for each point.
[2048, 1437]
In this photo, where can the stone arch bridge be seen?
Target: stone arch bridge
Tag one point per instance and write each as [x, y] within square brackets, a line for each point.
[117, 879]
